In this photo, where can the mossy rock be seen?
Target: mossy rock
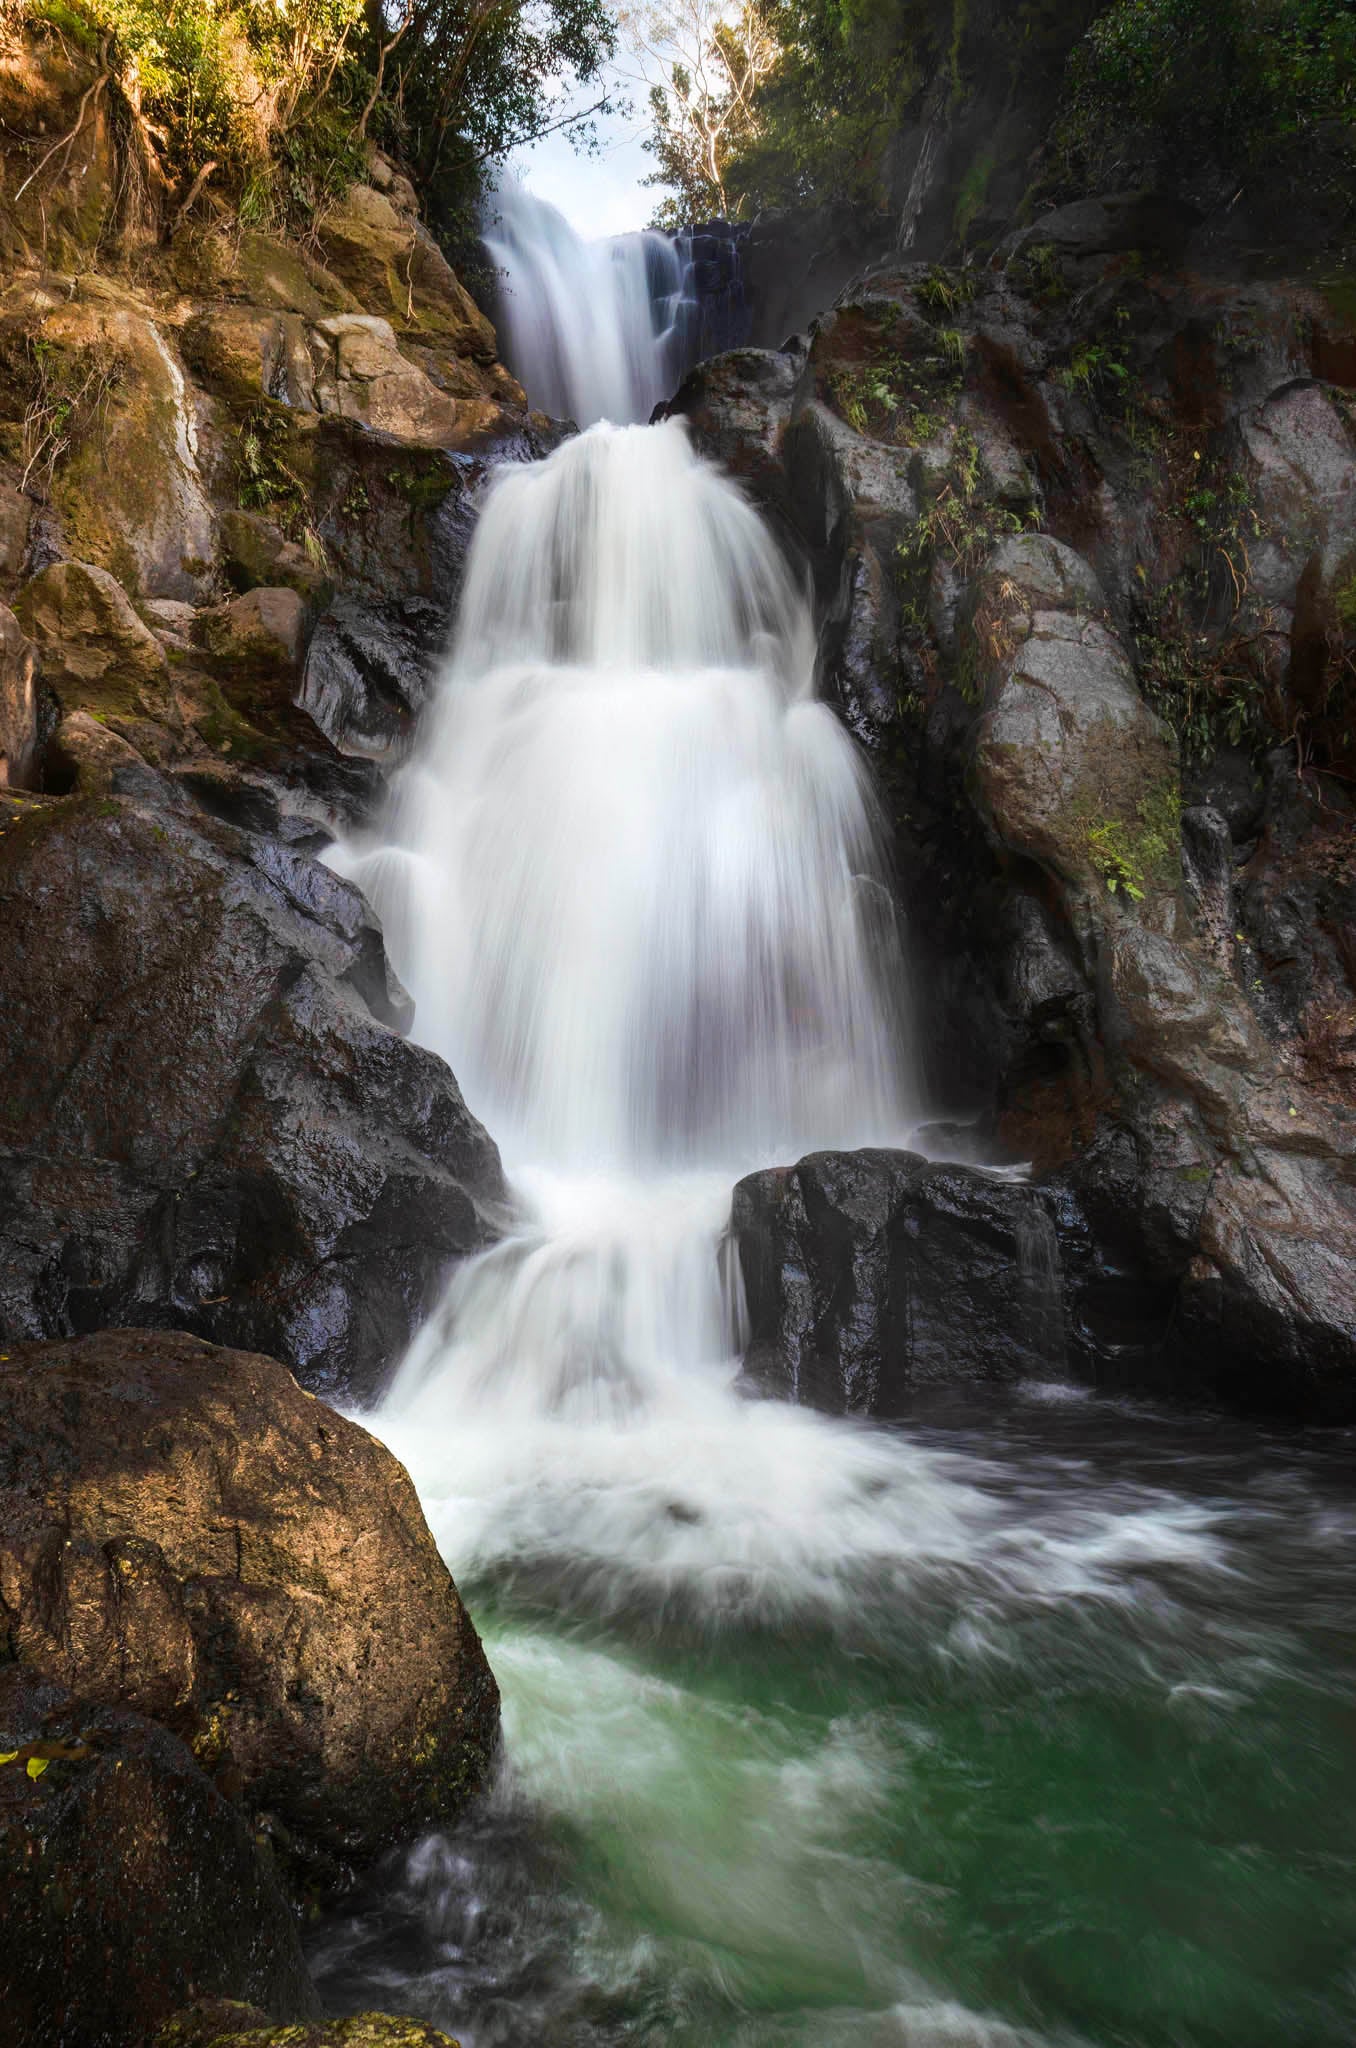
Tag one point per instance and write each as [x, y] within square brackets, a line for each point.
[217, 2022]
[96, 654]
[276, 274]
[130, 492]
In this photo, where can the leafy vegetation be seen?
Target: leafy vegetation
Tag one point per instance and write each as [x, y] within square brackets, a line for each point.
[1197, 637]
[1237, 81]
[818, 118]
[902, 390]
[701, 66]
[273, 103]
[960, 522]
[1133, 857]
[69, 396]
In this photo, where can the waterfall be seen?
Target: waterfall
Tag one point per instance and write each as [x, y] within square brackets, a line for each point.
[592, 330]
[632, 878]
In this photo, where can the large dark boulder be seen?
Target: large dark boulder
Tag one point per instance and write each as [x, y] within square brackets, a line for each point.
[868, 1275]
[871, 1275]
[185, 1532]
[209, 1118]
[131, 1884]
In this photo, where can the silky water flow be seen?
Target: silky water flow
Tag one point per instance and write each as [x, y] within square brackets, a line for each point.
[961, 1736]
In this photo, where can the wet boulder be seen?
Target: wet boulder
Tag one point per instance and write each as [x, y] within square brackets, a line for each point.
[1149, 1262]
[209, 1117]
[131, 1883]
[739, 406]
[187, 1534]
[868, 1275]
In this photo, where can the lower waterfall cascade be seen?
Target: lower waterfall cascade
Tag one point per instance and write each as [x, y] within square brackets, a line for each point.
[954, 1735]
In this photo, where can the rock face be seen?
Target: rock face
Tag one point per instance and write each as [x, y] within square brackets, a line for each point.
[208, 1116]
[868, 1275]
[367, 673]
[131, 1883]
[1071, 764]
[188, 1535]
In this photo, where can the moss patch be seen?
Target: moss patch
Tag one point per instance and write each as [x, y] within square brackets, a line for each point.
[1139, 855]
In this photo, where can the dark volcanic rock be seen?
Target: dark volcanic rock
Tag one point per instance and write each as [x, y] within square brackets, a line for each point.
[367, 672]
[208, 1117]
[131, 1884]
[185, 1532]
[870, 1274]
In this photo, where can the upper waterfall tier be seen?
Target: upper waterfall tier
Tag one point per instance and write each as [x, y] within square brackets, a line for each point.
[591, 329]
[632, 874]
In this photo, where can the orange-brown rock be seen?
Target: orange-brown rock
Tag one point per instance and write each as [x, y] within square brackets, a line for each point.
[184, 1532]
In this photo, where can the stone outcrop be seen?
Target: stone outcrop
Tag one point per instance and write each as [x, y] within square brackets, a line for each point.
[262, 630]
[187, 1535]
[208, 1116]
[134, 498]
[97, 653]
[131, 1883]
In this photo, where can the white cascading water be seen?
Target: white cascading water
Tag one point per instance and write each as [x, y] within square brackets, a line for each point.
[590, 329]
[632, 879]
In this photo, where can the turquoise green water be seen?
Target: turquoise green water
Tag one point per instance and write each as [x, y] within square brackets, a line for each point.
[1084, 1771]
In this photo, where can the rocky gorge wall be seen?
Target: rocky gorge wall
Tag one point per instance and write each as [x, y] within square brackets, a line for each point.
[1080, 522]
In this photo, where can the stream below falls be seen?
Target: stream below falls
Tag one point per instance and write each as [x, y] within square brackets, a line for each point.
[1053, 1741]
[1032, 1720]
